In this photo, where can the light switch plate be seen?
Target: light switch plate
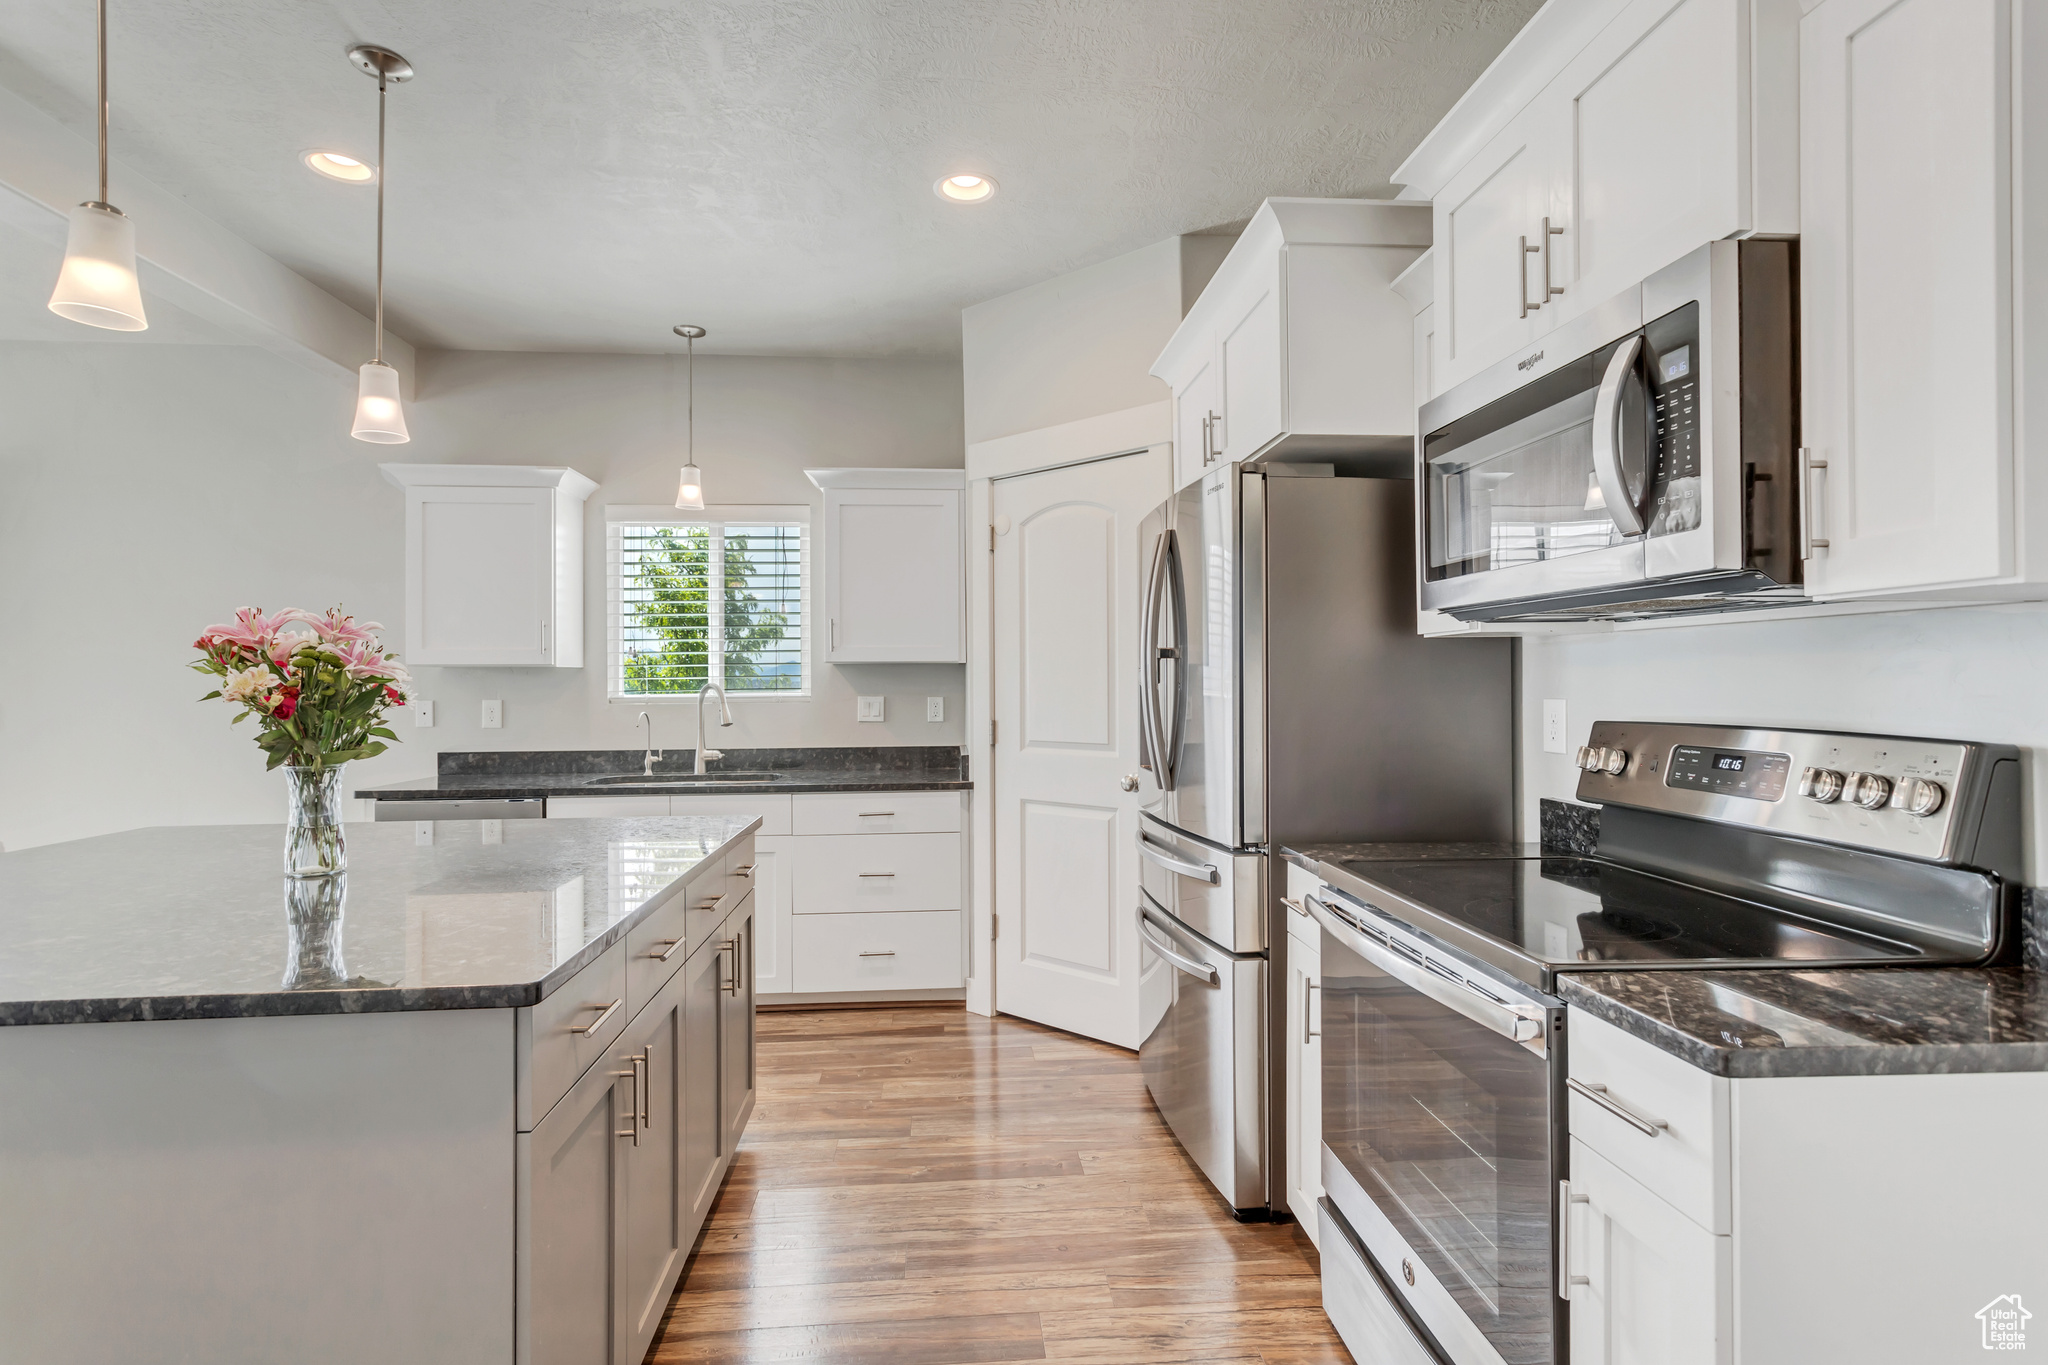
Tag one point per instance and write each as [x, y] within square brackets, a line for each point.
[1553, 726]
[870, 709]
[934, 708]
[422, 713]
[494, 715]
[423, 833]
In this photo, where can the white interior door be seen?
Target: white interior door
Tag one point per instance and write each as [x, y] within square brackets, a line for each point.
[1064, 648]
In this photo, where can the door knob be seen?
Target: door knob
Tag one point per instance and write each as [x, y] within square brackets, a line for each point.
[1129, 782]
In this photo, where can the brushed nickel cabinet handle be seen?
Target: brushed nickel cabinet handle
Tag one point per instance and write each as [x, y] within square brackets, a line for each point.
[1548, 287]
[1809, 504]
[1522, 276]
[890, 954]
[873, 814]
[606, 1012]
[667, 950]
[746, 871]
[874, 874]
[1308, 1012]
[1596, 1092]
[632, 1128]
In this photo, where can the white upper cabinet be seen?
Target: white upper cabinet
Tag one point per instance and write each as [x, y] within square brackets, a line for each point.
[1912, 319]
[1609, 139]
[1297, 349]
[493, 564]
[895, 581]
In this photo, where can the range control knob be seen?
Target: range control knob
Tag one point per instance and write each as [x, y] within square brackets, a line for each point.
[1821, 784]
[1868, 790]
[1614, 761]
[1590, 758]
[1918, 796]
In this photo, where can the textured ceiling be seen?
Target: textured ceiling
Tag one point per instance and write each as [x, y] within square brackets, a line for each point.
[575, 175]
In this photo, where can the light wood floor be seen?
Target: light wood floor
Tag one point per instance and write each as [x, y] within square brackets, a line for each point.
[924, 1186]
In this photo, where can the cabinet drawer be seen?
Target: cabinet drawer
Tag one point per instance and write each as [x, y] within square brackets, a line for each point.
[605, 807]
[1364, 1314]
[841, 873]
[901, 951]
[711, 899]
[773, 810]
[876, 813]
[1686, 1163]
[657, 946]
[556, 1041]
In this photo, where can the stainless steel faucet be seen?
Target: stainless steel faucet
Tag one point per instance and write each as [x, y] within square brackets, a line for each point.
[647, 766]
[702, 752]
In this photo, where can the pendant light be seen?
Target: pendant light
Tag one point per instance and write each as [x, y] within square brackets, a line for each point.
[379, 415]
[97, 284]
[690, 492]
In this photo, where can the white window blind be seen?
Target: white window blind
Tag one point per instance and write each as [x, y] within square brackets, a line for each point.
[718, 596]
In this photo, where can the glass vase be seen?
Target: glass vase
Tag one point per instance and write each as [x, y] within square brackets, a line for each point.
[313, 907]
[314, 845]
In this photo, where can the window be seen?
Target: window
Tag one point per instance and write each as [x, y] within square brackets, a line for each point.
[714, 596]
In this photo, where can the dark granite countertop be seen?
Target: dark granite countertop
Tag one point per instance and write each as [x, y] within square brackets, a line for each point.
[1307, 856]
[199, 921]
[574, 772]
[1865, 1022]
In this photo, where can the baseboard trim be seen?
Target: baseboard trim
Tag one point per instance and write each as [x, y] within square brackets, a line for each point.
[811, 1000]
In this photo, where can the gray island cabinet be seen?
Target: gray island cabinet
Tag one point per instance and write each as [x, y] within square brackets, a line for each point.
[471, 1103]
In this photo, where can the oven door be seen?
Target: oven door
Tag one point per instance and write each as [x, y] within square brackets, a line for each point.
[1438, 1141]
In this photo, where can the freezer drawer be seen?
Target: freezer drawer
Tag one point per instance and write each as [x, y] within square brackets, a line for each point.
[1219, 893]
[1202, 1060]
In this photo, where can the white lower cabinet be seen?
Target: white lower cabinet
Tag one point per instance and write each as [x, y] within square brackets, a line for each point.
[899, 950]
[1304, 1052]
[1648, 1285]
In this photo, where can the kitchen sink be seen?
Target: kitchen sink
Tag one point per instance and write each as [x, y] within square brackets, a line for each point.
[680, 779]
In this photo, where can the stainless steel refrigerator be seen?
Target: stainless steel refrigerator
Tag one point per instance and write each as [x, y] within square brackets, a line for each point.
[1286, 699]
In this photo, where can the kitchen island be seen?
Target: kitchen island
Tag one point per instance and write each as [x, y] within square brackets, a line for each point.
[470, 1102]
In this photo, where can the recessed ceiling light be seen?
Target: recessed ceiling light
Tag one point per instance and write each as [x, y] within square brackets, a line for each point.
[966, 189]
[335, 166]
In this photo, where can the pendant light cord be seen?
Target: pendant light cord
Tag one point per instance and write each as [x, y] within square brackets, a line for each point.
[690, 409]
[380, 205]
[102, 27]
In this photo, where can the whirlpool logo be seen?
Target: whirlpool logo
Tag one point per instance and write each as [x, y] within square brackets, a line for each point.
[1532, 360]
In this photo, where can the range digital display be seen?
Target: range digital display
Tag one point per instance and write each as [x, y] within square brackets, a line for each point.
[1729, 772]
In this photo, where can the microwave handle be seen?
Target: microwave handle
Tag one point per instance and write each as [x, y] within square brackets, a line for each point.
[1608, 408]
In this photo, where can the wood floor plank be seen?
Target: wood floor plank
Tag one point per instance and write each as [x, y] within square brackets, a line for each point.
[922, 1186]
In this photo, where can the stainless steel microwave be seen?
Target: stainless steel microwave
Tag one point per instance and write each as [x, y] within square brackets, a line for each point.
[1640, 460]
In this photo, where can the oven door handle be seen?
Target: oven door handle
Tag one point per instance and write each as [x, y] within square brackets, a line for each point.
[1155, 939]
[1507, 1020]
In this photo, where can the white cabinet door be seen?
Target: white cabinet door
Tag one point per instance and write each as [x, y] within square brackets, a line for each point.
[1304, 1079]
[1485, 281]
[1659, 141]
[480, 575]
[895, 578]
[1197, 423]
[571, 1226]
[650, 1053]
[1254, 386]
[774, 916]
[1906, 291]
[1648, 1285]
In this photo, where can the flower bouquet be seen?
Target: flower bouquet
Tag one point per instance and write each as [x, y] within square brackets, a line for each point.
[318, 687]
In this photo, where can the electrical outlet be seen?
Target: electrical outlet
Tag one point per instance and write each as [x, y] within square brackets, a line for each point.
[870, 709]
[494, 715]
[935, 708]
[422, 713]
[1553, 726]
[423, 833]
[493, 831]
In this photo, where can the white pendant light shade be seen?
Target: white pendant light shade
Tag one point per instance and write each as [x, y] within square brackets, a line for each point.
[379, 415]
[690, 493]
[97, 284]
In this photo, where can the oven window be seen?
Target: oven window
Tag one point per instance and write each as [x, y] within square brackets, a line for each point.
[1446, 1126]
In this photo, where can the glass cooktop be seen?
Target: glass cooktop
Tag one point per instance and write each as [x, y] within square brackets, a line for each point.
[1567, 912]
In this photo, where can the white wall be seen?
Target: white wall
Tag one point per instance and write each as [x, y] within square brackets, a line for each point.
[1960, 673]
[1079, 345]
[147, 491]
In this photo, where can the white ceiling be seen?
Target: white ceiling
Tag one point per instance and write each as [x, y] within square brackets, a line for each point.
[581, 174]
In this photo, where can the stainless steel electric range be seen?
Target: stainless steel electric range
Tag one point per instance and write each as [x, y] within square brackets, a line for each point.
[1444, 1047]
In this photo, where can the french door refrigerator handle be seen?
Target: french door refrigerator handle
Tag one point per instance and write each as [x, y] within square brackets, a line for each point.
[1156, 940]
[1173, 737]
[1505, 1020]
[1626, 511]
[1148, 681]
[1160, 854]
